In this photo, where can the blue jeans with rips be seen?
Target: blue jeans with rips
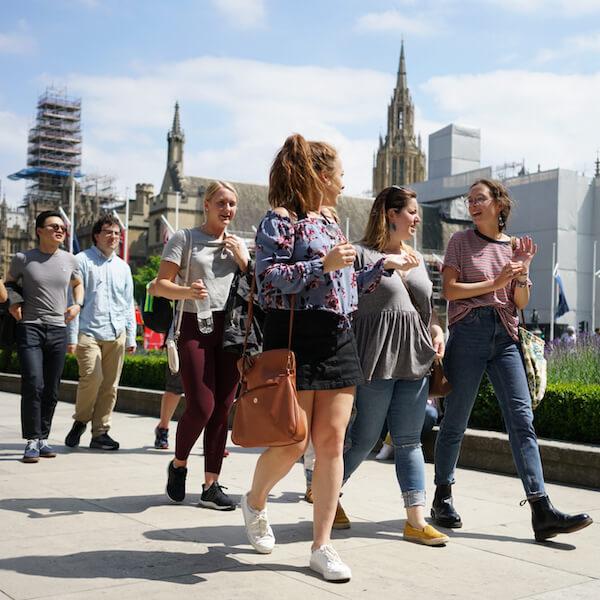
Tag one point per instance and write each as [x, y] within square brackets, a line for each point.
[403, 403]
[478, 344]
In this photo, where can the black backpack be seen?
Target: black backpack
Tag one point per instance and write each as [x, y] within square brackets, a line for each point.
[157, 313]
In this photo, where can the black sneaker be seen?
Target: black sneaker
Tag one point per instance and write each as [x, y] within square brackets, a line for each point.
[176, 482]
[104, 442]
[214, 497]
[161, 438]
[74, 435]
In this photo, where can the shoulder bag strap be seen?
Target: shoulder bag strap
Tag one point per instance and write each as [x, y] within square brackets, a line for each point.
[181, 303]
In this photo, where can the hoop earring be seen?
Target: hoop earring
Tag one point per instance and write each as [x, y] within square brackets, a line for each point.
[501, 221]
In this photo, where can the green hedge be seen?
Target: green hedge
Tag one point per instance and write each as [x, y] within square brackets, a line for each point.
[569, 411]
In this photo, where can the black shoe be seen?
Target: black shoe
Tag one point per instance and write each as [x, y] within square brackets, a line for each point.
[104, 442]
[548, 522]
[73, 437]
[176, 482]
[443, 512]
[214, 497]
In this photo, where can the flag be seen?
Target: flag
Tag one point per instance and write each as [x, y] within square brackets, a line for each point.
[562, 306]
[70, 230]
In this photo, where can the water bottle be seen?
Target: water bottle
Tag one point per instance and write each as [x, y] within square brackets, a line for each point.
[204, 315]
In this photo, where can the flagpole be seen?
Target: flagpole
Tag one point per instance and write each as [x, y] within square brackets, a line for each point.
[72, 212]
[176, 211]
[552, 291]
[126, 232]
[594, 275]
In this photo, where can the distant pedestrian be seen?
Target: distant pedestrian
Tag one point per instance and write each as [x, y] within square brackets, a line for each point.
[104, 331]
[485, 280]
[569, 337]
[168, 405]
[45, 274]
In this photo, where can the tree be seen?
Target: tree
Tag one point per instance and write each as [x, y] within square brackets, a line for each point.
[143, 275]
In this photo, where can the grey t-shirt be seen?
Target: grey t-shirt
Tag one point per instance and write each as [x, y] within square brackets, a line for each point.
[392, 335]
[45, 280]
[209, 262]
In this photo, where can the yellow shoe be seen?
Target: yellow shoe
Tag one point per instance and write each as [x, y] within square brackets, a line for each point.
[428, 535]
[308, 496]
[341, 520]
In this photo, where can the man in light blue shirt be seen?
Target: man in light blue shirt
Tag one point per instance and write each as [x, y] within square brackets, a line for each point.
[103, 332]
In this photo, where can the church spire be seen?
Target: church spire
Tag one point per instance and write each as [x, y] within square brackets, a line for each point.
[401, 81]
[176, 129]
[597, 173]
[176, 140]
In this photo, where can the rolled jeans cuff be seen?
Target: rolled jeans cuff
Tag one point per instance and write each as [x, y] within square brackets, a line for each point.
[413, 498]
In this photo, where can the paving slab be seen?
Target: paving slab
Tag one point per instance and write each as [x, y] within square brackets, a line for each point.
[95, 525]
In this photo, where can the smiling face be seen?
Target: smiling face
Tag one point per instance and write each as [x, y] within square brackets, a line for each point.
[484, 210]
[53, 232]
[107, 241]
[405, 220]
[334, 183]
[220, 209]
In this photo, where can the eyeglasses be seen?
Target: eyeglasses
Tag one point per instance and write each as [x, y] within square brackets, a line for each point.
[109, 232]
[475, 201]
[56, 227]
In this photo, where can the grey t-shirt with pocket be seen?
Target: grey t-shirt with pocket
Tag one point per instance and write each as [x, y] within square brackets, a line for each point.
[45, 279]
[209, 262]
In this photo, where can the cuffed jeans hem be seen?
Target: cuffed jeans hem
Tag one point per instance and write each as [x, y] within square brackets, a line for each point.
[413, 498]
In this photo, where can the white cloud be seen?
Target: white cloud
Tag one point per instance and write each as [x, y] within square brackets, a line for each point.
[245, 14]
[13, 153]
[251, 106]
[569, 47]
[566, 8]
[544, 117]
[395, 21]
[16, 43]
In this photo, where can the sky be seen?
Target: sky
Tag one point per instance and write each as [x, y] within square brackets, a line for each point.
[247, 73]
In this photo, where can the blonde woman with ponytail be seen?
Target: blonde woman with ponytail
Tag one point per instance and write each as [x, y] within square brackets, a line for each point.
[301, 252]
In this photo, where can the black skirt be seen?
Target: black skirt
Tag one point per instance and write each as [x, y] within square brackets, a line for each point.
[326, 356]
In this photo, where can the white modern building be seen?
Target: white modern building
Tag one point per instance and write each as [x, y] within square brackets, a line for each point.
[557, 207]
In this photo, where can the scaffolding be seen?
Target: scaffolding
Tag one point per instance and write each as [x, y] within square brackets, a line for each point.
[54, 149]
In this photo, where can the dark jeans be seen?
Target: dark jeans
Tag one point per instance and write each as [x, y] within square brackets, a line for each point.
[41, 350]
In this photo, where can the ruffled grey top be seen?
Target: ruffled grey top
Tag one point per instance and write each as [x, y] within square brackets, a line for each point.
[393, 338]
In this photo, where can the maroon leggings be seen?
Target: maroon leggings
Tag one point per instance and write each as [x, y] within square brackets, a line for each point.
[210, 378]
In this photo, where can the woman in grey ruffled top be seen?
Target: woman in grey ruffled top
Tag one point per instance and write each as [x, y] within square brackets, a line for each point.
[398, 337]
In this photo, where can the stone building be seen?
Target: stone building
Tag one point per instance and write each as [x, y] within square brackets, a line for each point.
[399, 159]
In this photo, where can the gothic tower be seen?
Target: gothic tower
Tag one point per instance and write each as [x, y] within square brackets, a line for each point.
[399, 159]
[176, 140]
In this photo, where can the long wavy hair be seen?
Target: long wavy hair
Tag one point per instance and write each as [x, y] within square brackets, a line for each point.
[294, 181]
[377, 230]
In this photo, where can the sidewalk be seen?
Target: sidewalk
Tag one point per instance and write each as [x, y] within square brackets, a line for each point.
[89, 525]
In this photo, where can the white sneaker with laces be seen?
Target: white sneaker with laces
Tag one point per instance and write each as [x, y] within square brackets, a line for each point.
[258, 530]
[326, 560]
[386, 452]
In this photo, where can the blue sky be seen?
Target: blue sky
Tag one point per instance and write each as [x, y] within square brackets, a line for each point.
[249, 72]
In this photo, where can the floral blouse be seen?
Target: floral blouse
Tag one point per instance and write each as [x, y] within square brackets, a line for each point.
[289, 260]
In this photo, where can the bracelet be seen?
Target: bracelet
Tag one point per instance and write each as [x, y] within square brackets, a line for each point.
[521, 284]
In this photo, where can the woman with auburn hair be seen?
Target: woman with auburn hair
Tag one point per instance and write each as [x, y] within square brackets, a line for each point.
[210, 375]
[485, 280]
[398, 338]
[302, 253]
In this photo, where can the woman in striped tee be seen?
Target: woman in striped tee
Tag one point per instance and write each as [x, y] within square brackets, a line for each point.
[485, 280]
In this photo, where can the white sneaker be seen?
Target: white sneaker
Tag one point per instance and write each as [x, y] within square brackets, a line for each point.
[386, 452]
[325, 560]
[258, 530]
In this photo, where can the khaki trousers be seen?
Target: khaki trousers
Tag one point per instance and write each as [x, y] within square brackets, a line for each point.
[100, 364]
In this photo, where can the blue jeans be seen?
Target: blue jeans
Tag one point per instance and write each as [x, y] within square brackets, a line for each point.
[403, 403]
[479, 344]
[41, 350]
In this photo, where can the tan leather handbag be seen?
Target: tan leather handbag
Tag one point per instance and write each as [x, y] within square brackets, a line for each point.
[267, 412]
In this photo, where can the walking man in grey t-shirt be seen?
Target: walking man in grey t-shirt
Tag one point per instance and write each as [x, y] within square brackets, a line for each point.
[45, 274]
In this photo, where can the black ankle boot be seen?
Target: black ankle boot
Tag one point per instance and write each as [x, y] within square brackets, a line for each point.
[548, 522]
[442, 511]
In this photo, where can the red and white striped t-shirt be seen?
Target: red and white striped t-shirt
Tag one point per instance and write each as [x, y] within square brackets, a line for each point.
[477, 258]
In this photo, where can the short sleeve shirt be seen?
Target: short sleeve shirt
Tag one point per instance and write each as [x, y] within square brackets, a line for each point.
[45, 279]
[478, 258]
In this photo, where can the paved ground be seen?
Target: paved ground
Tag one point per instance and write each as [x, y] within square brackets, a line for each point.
[90, 525]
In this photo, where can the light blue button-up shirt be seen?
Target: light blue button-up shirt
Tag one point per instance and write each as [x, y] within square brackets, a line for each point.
[108, 309]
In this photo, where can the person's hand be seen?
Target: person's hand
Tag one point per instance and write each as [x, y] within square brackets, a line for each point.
[197, 291]
[72, 312]
[339, 257]
[524, 251]
[509, 271]
[16, 310]
[401, 262]
[235, 247]
[438, 341]
[71, 348]
[131, 349]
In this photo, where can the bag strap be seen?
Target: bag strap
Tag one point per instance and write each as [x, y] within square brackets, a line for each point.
[250, 317]
[181, 303]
